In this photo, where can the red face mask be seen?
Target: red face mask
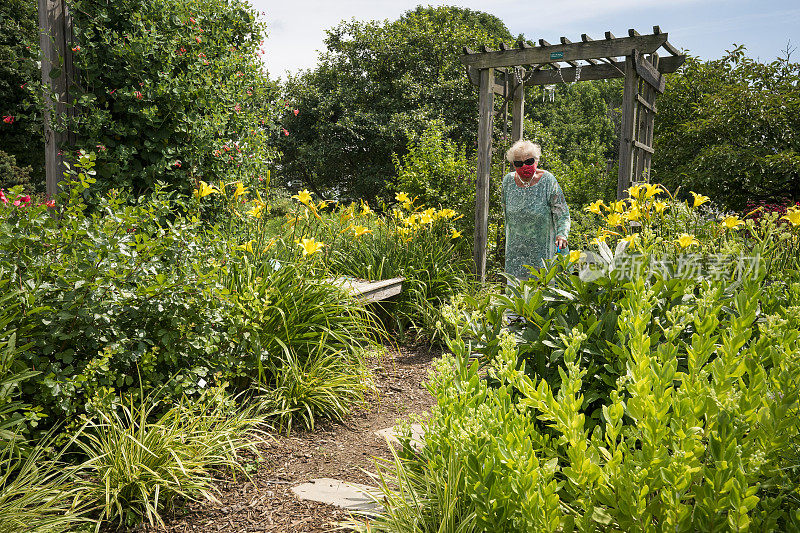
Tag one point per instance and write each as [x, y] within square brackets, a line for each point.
[526, 172]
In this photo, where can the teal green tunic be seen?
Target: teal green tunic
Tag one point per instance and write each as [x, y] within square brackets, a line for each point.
[534, 216]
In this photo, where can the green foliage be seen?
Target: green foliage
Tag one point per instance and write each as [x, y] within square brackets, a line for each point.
[691, 438]
[138, 466]
[325, 385]
[11, 174]
[39, 493]
[174, 92]
[20, 81]
[437, 173]
[729, 128]
[376, 82]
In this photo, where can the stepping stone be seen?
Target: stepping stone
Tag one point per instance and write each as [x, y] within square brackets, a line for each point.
[417, 434]
[350, 496]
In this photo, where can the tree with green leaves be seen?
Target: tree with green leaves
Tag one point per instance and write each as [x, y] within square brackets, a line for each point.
[730, 129]
[173, 91]
[378, 85]
[20, 117]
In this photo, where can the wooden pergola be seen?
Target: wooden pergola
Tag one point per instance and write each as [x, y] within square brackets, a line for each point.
[507, 71]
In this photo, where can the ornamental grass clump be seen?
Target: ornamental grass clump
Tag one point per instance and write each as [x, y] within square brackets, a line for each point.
[139, 462]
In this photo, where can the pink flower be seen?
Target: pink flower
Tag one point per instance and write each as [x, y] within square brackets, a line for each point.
[177, 163]
[3, 197]
[197, 39]
[112, 91]
[138, 95]
[23, 85]
[16, 202]
[25, 199]
[101, 147]
[285, 132]
[237, 108]
[296, 111]
[8, 119]
[192, 20]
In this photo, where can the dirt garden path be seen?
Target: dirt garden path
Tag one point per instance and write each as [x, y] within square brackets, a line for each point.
[339, 451]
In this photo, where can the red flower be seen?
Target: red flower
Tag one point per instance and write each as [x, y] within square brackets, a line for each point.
[3, 197]
[141, 84]
[296, 111]
[237, 108]
[285, 132]
[217, 153]
[25, 199]
[16, 202]
[50, 203]
[192, 20]
[197, 39]
[76, 49]
[239, 74]
[101, 147]
[8, 119]
[138, 95]
[23, 85]
[112, 92]
[177, 163]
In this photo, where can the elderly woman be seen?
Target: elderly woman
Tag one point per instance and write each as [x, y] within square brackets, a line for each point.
[535, 211]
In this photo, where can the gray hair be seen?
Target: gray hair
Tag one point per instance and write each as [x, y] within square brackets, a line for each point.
[523, 147]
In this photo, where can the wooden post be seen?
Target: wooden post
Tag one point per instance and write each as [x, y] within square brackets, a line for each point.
[628, 120]
[518, 112]
[55, 39]
[486, 108]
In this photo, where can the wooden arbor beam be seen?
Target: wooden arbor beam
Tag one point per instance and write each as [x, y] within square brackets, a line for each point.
[601, 71]
[485, 110]
[616, 47]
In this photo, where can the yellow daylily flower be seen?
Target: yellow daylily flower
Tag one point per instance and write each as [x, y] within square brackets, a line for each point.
[205, 189]
[594, 207]
[425, 218]
[617, 207]
[731, 222]
[651, 190]
[686, 240]
[247, 247]
[574, 255]
[660, 206]
[793, 216]
[635, 191]
[614, 219]
[455, 234]
[631, 239]
[361, 230]
[365, 210]
[404, 231]
[255, 212]
[402, 197]
[411, 220]
[446, 213]
[597, 240]
[322, 205]
[303, 196]
[240, 189]
[633, 214]
[699, 199]
[310, 246]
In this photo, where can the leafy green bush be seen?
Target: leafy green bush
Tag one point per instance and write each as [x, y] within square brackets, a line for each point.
[174, 92]
[692, 438]
[138, 466]
[11, 174]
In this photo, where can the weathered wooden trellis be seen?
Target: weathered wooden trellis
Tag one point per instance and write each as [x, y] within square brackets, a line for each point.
[508, 71]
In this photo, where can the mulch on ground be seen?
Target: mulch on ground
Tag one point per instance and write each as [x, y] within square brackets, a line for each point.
[333, 450]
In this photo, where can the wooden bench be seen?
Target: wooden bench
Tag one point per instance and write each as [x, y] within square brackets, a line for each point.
[369, 291]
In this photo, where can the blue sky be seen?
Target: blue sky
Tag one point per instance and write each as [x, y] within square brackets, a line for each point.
[705, 27]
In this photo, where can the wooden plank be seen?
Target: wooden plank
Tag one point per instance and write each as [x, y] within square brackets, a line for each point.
[369, 291]
[518, 112]
[671, 49]
[55, 40]
[647, 105]
[648, 72]
[564, 40]
[600, 71]
[485, 106]
[628, 121]
[650, 98]
[642, 146]
[572, 52]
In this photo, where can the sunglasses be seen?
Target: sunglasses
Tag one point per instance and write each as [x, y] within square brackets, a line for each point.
[530, 161]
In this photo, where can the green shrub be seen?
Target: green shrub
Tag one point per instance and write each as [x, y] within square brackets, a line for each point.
[139, 463]
[694, 437]
[11, 174]
[174, 91]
